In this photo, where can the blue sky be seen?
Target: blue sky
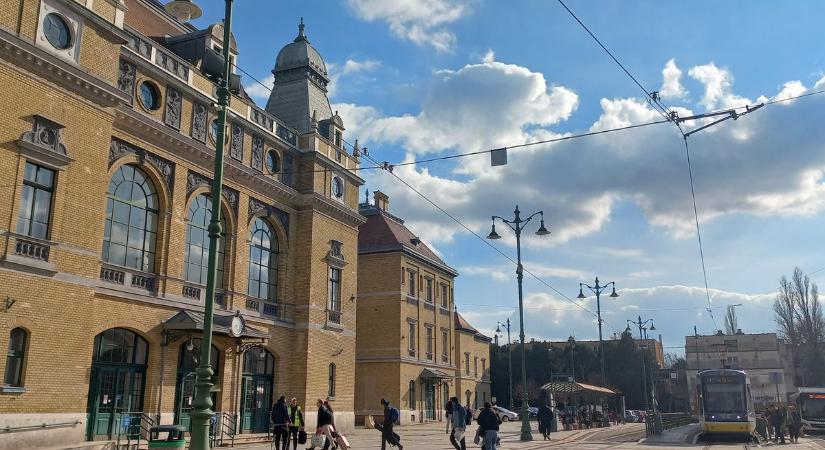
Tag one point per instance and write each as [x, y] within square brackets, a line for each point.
[420, 78]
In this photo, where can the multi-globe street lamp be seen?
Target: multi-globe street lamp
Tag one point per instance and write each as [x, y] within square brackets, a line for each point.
[642, 346]
[185, 10]
[509, 359]
[517, 225]
[597, 289]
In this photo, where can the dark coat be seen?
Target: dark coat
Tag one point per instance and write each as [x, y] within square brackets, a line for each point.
[545, 415]
[324, 417]
[488, 420]
[279, 415]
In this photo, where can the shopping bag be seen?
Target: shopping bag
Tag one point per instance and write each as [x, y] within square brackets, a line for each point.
[318, 440]
[302, 437]
[459, 434]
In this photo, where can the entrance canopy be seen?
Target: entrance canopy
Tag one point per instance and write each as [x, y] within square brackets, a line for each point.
[185, 320]
[434, 374]
[568, 387]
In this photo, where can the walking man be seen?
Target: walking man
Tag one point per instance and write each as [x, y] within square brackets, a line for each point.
[488, 423]
[280, 424]
[545, 419]
[391, 415]
[459, 423]
[296, 421]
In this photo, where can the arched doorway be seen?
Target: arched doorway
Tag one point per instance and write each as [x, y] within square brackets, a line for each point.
[258, 370]
[116, 381]
[190, 352]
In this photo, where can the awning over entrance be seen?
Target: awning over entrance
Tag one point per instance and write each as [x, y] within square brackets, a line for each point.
[574, 388]
[186, 320]
[434, 374]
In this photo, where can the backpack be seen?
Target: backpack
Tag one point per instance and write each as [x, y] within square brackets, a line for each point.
[469, 419]
[394, 415]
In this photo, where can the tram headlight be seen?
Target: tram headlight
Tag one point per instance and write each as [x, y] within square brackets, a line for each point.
[738, 417]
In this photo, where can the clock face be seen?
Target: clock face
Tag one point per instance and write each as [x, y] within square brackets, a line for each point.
[237, 326]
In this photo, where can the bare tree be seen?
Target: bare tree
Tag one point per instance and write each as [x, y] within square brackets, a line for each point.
[809, 310]
[800, 321]
[731, 324]
[784, 309]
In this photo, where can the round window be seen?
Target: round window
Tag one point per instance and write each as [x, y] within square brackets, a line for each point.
[337, 187]
[273, 161]
[57, 31]
[149, 96]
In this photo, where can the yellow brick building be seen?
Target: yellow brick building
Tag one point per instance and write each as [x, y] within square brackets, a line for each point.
[106, 155]
[412, 348]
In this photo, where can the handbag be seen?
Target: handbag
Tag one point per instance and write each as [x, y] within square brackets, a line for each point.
[318, 440]
[477, 439]
[302, 437]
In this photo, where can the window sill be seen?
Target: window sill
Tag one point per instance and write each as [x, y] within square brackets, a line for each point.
[12, 389]
[30, 264]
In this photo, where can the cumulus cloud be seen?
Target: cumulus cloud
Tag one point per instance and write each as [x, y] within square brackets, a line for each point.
[260, 91]
[770, 162]
[422, 22]
[672, 81]
[505, 273]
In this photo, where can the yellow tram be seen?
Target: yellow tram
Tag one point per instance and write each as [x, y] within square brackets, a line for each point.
[725, 402]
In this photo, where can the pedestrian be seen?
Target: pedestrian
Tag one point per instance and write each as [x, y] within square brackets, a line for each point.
[279, 418]
[459, 425]
[296, 421]
[332, 431]
[323, 424]
[391, 416]
[778, 422]
[488, 423]
[794, 424]
[448, 412]
[769, 424]
[545, 419]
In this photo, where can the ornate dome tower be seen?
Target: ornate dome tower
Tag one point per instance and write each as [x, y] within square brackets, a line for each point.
[300, 88]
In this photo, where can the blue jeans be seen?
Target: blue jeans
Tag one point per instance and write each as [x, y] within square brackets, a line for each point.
[490, 438]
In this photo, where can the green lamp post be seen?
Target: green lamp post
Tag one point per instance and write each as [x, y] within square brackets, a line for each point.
[202, 413]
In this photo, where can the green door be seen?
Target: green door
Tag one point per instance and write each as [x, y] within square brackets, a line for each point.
[189, 355]
[429, 401]
[259, 367]
[116, 382]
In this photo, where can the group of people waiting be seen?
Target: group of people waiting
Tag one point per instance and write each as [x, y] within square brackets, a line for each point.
[778, 419]
[287, 421]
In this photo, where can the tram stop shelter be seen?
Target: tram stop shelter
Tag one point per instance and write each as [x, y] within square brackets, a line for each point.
[571, 395]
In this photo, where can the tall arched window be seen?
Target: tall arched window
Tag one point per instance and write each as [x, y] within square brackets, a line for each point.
[197, 242]
[263, 261]
[331, 381]
[411, 395]
[18, 341]
[131, 220]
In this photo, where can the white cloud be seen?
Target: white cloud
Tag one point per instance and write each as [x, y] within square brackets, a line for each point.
[790, 89]
[354, 66]
[771, 162]
[506, 273]
[672, 81]
[258, 92]
[422, 22]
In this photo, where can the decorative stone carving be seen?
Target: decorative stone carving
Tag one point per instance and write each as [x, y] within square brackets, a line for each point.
[195, 181]
[257, 152]
[257, 206]
[286, 173]
[200, 117]
[171, 64]
[262, 118]
[126, 77]
[45, 134]
[174, 103]
[287, 135]
[119, 148]
[142, 47]
[236, 145]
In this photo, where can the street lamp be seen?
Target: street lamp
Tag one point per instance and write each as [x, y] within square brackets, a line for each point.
[598, 291]
[518, 224]
[571, 342]
[185, 10]
[642, 337]
[509, 359]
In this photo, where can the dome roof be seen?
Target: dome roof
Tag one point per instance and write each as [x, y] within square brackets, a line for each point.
[300, 53]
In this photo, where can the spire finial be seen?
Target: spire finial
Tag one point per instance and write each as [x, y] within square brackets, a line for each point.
[301, 33]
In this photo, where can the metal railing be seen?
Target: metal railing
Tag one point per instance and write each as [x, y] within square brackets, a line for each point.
[133, 426]
[224, 427]
[42, 426]
[657, 423]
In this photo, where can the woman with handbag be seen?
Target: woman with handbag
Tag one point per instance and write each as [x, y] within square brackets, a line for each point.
[323, 428]
[296, 424]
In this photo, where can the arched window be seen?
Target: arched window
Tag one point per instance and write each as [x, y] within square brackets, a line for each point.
[411, 395]
[331, 382]
[190, 354]
[16, 357]
[263, 261]
[120, 346]
[197, 242]
[131, 220]
[258, 361]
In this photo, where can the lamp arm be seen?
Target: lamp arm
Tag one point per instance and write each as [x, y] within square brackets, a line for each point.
[534, 215]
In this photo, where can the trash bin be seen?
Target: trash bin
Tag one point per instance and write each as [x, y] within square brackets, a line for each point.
[174, 436]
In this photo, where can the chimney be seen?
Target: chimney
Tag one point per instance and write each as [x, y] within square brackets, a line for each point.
[382, 201]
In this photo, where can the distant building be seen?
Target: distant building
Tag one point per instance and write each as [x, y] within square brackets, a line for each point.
[763, 356]
[654, 346]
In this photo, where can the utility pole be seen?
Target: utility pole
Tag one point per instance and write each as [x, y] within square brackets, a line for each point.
[598, 291]
[509, 359]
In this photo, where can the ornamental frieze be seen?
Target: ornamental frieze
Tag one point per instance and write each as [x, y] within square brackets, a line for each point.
[257, 206]
[257, 152]
[174, 103]
[119, 148]
[236, 145]
[200, 117]
[196, 181]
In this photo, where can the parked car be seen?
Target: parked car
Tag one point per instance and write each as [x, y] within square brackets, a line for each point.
[630, 416]
[505, 414]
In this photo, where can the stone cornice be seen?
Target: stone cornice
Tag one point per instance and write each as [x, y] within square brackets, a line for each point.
[119, 36]
[334, 209]
[201, 156]
[39, 62]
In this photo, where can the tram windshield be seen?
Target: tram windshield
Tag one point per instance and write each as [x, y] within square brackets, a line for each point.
[813, 406]
[724, 398]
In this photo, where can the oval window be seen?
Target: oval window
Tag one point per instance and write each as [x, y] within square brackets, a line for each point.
[337, 187]
[273, 161]
[57, 31]
[149, 96]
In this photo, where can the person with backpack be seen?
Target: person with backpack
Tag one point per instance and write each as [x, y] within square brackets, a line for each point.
[459, 424]
[391, 417]
[280, 424]
[488, 423]
[296, 422]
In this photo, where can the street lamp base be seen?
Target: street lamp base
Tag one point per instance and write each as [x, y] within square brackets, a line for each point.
[526, 431]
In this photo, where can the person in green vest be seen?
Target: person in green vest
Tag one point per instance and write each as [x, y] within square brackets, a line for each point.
[296, 421]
